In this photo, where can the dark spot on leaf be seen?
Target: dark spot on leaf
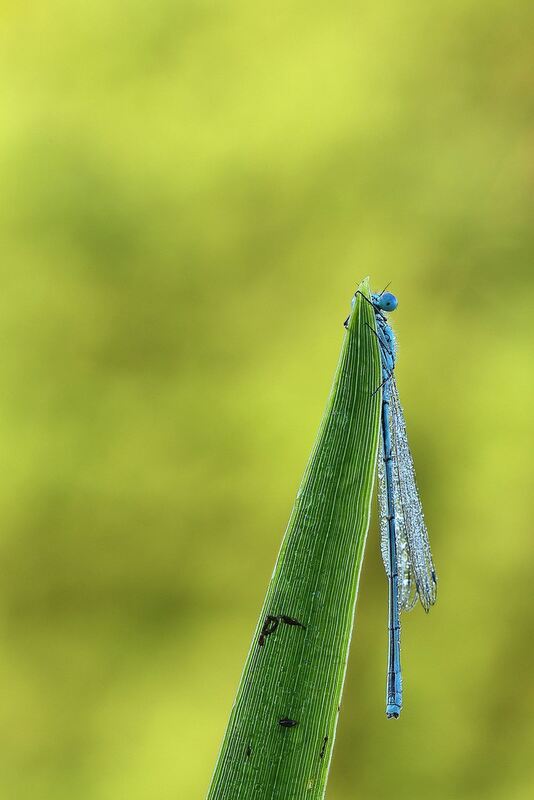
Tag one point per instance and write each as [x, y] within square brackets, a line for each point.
[285, 722]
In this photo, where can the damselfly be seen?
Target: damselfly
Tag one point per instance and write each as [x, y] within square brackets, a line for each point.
[403, 534]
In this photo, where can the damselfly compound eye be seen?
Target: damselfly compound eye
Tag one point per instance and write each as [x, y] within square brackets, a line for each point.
[387, 301]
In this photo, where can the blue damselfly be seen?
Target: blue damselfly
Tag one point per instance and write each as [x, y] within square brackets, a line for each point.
[403, 534]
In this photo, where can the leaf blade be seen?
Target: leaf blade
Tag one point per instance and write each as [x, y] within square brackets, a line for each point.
[279, 738]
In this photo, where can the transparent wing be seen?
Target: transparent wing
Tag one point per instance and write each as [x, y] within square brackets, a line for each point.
[407, 590]
[417, 576]
[383, 505]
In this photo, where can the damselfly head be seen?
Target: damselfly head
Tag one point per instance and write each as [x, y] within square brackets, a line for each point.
[385, 301]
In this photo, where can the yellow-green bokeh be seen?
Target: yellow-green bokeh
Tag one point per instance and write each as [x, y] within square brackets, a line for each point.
[190, 192]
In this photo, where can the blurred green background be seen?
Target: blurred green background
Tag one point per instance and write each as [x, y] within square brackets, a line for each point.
[190, 193]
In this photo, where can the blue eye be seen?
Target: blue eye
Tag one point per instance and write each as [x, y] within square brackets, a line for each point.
[386, 302]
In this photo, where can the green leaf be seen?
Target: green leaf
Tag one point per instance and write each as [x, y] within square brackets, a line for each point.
[294, 673]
